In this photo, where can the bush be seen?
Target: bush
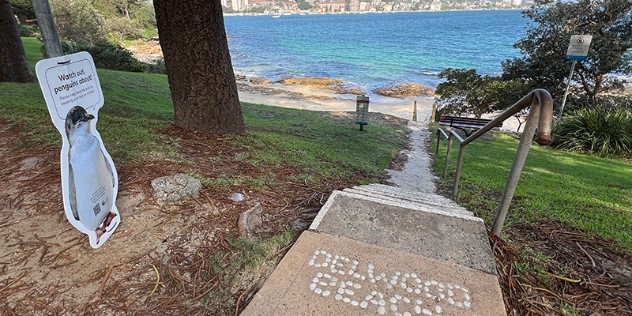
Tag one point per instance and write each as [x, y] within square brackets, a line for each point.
[107, 55]
[28, 30]
[600, 129]
[78, 21]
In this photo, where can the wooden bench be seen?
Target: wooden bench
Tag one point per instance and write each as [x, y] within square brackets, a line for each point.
[462, 123]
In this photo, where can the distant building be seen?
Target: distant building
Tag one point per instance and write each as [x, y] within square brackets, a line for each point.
[331, 7]
[354, 5]
[435, 6]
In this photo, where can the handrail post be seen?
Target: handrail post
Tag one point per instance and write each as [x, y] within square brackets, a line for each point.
[447, 156]
[457, 177]
[540, 115]
[438, 139]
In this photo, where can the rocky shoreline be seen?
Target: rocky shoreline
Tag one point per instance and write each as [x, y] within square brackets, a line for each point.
[399, 91]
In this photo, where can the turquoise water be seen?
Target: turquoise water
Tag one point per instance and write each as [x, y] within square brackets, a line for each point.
[373, 50]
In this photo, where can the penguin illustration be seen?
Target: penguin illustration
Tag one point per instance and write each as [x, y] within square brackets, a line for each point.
[91, 182]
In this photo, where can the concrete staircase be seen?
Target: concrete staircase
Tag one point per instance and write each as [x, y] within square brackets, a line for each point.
[381, 250]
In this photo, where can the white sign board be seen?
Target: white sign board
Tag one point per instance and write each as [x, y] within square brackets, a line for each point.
[89, 180]
[578, 47]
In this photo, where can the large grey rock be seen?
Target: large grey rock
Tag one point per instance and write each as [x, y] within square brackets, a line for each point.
[176, 187]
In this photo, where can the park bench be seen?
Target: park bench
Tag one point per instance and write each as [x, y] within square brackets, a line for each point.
[464, 123]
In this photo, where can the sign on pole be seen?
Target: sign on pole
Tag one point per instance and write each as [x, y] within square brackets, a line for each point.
[578, 47]
[89, 180]
[577, 50]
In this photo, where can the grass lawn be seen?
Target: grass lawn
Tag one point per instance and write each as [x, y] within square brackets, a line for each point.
[587, 192]
[138, 104]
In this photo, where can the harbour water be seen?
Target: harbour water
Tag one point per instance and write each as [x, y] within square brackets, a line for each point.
[374, 50]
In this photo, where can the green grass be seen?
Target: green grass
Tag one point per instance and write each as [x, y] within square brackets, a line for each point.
[138, 105]
[587, 192]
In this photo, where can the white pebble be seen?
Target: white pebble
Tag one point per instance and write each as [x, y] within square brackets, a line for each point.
[441, 285]
[427, 283]
[373, 292]
[312, 286]
[317, 265]
[398, 297]
[357, 285]
[417, 291]
[356, 275]
[413, 275]
[450, 293]
[418, 280]
[378, 278]
[315, 280]
[407, 314]
[393, 300]
[382, 302]
[371, 266]
[428, 295]
[426, 289]
[341, 272]
[466, 296]
[406, 299]
[389, 286]
[355, 262]
[403, 285]
[383, 274]
[328, 255]
[338, 297]
[406, 275]
[419, 302]
[410, 290]
[327, 260]
[426, 312]
[325, 264]
[341, 291]
[381, 310]
[346, 300]
[311, 262]
[355, 303]
[438, 309]
[364, 304]
[374, 302]
[327, 276]
[394, 307]
[318, 290]
[450, 301]
[326, 293]
[393, 281]
[349, 283]
[317, 252]
[459, 304]
[467, 304]
[433, 282]
[348, 291]
[332, 283]
[343, 285]
[418, 309]
[322, 283]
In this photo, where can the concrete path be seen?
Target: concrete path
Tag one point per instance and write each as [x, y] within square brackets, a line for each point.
[387, 250]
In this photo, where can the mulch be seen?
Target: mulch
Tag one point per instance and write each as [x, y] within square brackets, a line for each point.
[589, 274]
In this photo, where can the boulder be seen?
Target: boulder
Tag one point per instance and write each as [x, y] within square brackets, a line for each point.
[260, 81]
[176, 187]
[405, 90]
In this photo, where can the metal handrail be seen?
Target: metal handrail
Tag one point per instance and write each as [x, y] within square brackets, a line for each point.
[540, 117]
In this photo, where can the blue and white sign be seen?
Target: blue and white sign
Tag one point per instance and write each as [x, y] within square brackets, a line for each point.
[578, 47]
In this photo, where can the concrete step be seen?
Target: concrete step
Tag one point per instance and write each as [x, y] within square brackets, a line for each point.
[323, 274]
[430, 200]
[405, 226]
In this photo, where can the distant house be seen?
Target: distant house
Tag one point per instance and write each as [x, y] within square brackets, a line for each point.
[331, 7]
[290, 6]
[435, 5]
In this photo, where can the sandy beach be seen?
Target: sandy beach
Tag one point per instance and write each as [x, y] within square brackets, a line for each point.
[316, 99]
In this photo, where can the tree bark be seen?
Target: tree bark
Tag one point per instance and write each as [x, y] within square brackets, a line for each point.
[200, 72]
[46, 24]
[13, 64]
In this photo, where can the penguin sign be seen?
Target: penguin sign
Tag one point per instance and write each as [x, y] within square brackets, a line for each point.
[88, 177]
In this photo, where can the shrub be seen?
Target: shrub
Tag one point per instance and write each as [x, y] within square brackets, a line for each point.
[107, 55]
[28, 30]
[599, 129]
[78, 21]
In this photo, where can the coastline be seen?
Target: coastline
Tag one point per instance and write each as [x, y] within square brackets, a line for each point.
[305, 97]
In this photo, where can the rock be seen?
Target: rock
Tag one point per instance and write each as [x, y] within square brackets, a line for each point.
[250, 220]
[260, 81]
[176, 187]
[349, 89]
[405, 90]
[240, 77]
[322, 83]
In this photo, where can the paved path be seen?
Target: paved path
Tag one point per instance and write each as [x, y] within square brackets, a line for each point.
[387, 250]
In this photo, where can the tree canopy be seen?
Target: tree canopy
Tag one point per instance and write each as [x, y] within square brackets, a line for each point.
[543, 64]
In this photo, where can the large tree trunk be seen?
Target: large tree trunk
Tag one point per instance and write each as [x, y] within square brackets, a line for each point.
[13, 64]
[199, 69]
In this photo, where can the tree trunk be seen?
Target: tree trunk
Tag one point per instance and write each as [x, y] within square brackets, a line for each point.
[200, 72]
[13, 64]
[46, 24]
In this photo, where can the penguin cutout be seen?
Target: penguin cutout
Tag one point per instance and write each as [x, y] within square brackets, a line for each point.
[89, 174]
[89, 180]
